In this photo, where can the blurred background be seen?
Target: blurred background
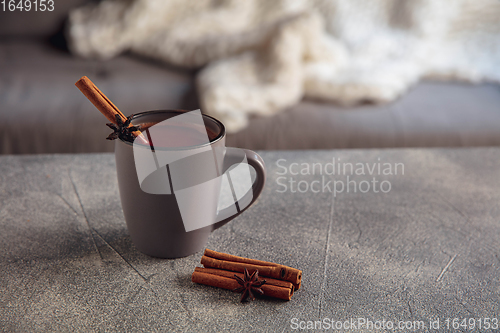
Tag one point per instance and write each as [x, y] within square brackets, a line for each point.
[279, 74]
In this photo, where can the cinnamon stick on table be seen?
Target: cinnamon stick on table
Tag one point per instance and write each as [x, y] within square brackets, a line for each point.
[223, 270]
[103, 104]
[231, 284]
[230, 262]
[229, 274]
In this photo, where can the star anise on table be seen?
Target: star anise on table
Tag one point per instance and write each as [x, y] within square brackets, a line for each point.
[122, 129]
[250, 285]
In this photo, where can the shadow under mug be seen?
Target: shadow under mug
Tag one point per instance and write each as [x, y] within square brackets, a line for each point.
[154, 221]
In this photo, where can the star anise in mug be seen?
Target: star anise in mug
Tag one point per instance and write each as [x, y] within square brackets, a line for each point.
[122, 129]
[250, 285]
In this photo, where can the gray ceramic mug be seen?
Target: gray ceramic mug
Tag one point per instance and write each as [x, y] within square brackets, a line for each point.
[154, 221]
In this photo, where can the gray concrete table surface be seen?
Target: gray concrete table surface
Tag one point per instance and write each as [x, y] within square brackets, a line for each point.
[427, 249]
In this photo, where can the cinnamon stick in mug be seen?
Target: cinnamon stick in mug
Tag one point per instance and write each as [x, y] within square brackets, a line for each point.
[103, 104]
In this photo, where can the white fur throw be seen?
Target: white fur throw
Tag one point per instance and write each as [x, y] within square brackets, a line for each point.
[262, 56]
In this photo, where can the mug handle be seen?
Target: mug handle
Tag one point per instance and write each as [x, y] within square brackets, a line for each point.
[235, 156]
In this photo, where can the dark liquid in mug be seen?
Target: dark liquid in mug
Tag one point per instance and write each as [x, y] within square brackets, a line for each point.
[177, 136]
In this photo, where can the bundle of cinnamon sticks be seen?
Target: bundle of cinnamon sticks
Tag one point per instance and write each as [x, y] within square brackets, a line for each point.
[220, 269]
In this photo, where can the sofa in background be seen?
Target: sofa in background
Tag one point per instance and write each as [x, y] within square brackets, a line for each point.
[41, 111]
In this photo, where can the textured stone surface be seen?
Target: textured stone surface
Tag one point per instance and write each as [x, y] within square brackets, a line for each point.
[427, 249]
